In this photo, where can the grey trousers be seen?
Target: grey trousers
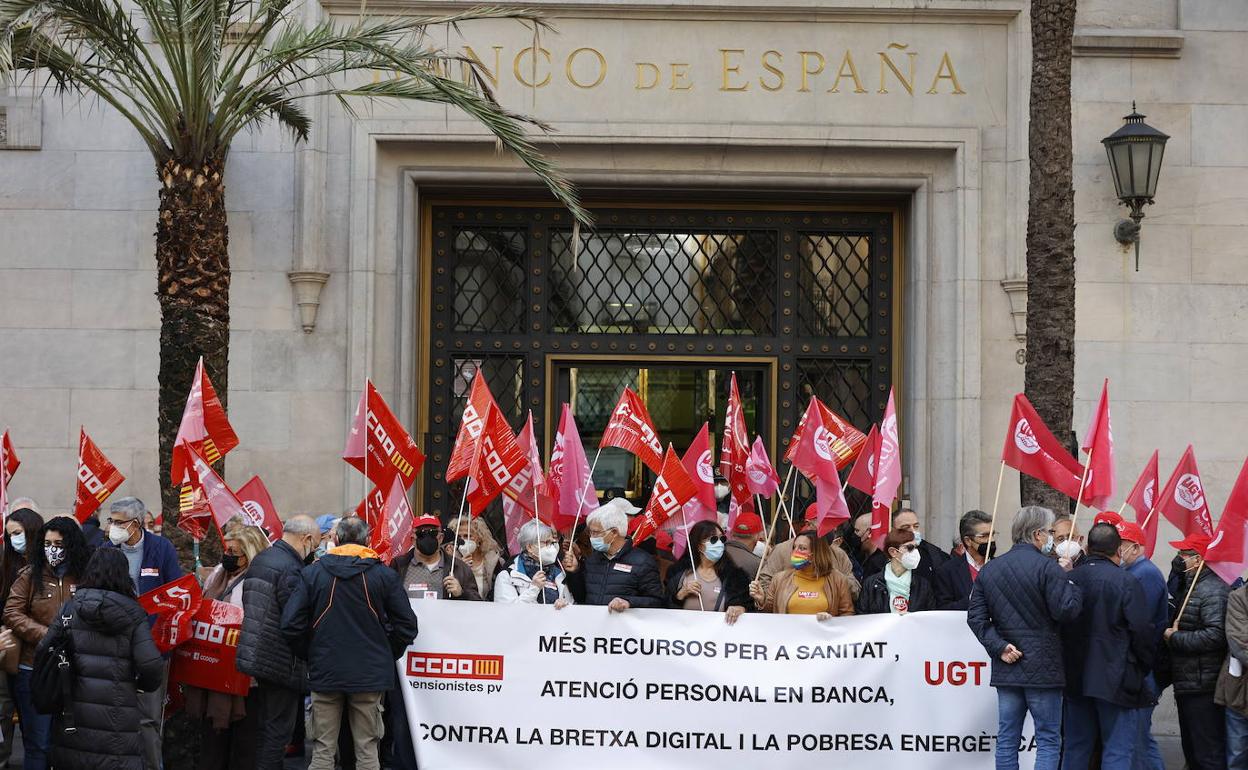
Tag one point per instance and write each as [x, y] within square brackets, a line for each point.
[364, 712]
[152, 721]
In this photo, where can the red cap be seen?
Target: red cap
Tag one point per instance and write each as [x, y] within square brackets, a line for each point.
[1107, 517]
[812, 512]
[1197, 541]
[663, 540]
[1129, 530]
[747, 524]
[425, 520]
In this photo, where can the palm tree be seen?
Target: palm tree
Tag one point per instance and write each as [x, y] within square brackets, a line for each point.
[1049, 377]
[216, 68]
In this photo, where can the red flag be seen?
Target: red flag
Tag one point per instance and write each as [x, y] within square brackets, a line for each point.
[497, 460]
[223, 504]
[1098, 444]
[760, 477]
[631, 429]
[1142, 498]
[568, 480]
[830, 506]
[862, 475]
[372, 508]
[1031, 449]
[479, 402]
[173, 604]
[97, 477]
[735, 450]
[1227, 553]
[193, 513]
[525, 490]
[258, 508]
[672, 489]
[392, 537]
[888, 472]
[204, 429]
[698, 462]
[813, 452]
[1183, 500]
[844, 439]
[378, 446]
[8, 459]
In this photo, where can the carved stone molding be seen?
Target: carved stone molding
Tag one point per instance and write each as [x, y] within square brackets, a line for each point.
[308, 285]
[1016, 290]
[1128, 43]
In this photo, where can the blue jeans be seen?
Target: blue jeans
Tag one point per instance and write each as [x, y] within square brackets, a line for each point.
[1236, 740]
[1045, 705]
[1148, 753]
[36, 727]
[1092, 721]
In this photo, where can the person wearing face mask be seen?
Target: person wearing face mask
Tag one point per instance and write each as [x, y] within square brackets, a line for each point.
[1156, 600]
[1017, 606]
[615, 574]
[1067, 541]
[955, 578]
[746, 545]
[428, 573]
[263, 653]
[716, 584]
[899, 589]
[777, 559]
[931, 557]
[810, 585]
[1196, 641]
[23, 518]
[535, 577]
[480, 551]
[57, 559]
[229, 724]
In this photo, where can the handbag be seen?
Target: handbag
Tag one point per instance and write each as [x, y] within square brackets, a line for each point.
[52, 681]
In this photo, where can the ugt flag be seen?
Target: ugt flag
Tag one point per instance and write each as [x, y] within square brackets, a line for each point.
[378, 446]
[1183, 500]
[1143, 499]
[97, 478]
[1098, 445]
[760, 477]
[1031, 449]
[568, 478]
[258, 508]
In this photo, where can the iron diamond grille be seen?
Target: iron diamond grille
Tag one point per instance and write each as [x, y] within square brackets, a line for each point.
[809, 293]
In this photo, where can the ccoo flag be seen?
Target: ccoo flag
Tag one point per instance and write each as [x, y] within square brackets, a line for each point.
[1143, 499]
[496, 461]
[672, 490]
[479, 402]
[392, 537]
[259, 509]
[631, 429]
[1098, 444]
[1031, 449]
[173, 604]
[204, 429]
[1183, 500]
[97, 478]
[378, 446]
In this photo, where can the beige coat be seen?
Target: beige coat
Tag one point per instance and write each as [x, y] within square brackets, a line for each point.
[1232, 691]
[778, 561]
[782, 587]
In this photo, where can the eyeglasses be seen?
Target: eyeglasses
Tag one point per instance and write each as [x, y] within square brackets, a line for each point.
[907, 547]
[716, 539]
[426, 531]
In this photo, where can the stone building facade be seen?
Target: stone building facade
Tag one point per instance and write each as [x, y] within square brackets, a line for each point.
[692, 128]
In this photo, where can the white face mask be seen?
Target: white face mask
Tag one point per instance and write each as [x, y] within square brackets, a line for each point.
[910, 559]
[468, 547]
[760, 548]
[548, 553]
[118, 535]
[1069, 549]
[918, 537]
[721, 491]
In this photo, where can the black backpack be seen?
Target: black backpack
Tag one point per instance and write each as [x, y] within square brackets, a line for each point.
[52, 681]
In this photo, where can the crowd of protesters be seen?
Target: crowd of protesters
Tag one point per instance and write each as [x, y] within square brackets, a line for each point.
[1083, 636]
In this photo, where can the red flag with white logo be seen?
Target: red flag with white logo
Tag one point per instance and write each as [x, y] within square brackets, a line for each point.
[845, 441]
[1183, 500]
[697, 461]
[862, 475]
[888, 472]
[378, 446]
[372, 507]
[568, 480]
[672, 490]
[1227, 553]
[97, 477]
[204, 428]
[760, 477]
[1031, 449]
[813, 453]
[830, 506]
[735, 451]
[1098, 445]
[631, 429]
[479, 402]
[1142, 498]
[392, 536]
[222, 502]
[496, 461]
[258, 508]
[174, 604]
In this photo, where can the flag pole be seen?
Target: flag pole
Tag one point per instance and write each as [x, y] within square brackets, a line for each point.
[1188, 598]
[784, 490]
[1074, 522]
[541, 592]
[580, 502]
[992, 527]
[771, 535]
[1148, 518]
[693, 563]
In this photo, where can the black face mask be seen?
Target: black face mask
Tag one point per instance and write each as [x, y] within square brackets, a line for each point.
[230, 562]
[427, 544]
[986, 550]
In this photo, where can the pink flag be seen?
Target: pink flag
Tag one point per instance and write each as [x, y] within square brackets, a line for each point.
[1098, 444]
[830, 506]
[520, 495]
[760, 477]
[569, 474]
[1227, 553]
[888, 473]
[221, 501]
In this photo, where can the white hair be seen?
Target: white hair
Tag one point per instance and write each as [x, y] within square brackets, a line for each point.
[24, 502]
[532, 533]
[609, 517]
[1029, 520]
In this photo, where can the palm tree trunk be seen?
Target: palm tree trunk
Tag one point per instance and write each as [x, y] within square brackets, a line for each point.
[193, 285]
[1049, 378]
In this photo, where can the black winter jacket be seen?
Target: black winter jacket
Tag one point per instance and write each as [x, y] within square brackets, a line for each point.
[1198, 648]
[952, 585]
[734, 586]
[1020, 599]
[873, 598]
[113, 656]
[350, 618]
[262, 650]
[631, 574]
[1109, 648]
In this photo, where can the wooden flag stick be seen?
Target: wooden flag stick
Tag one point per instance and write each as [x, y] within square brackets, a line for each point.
[992, 527]
[1122, 507]
[1074, 523]
[693, 562]
[580, 501]
[771, 534]
[1188, 598]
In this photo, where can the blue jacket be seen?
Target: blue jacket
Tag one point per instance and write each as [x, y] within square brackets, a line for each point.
[1021, 598]
[1109, 648]
[1156, 596]
[953, 584]
[160, 563]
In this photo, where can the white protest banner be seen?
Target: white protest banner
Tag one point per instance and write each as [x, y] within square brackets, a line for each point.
[493, 685]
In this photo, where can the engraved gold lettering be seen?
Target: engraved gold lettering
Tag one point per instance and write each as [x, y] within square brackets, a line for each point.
[806, 70]
[680, 77]
[533, 68]
[886, 63]
[602, 67]
[731, 69]
[774, 69]
[646, 70]
[847, 70]
[490, 74]
[946, 72]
